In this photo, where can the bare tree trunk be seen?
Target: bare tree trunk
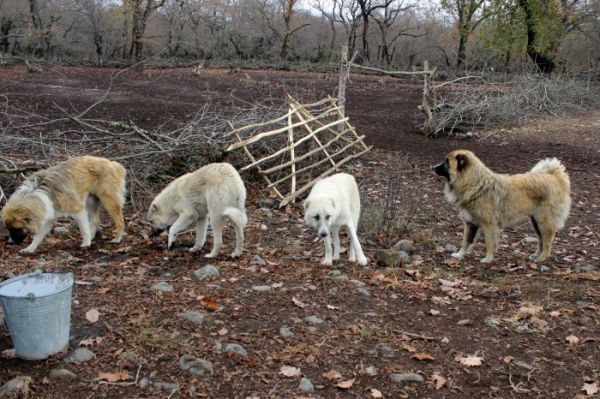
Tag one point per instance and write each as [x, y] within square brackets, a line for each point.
[38, 26]
[543, 62]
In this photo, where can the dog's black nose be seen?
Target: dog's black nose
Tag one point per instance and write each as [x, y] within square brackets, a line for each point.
[155, 232]
[323, 234]
[16, 236]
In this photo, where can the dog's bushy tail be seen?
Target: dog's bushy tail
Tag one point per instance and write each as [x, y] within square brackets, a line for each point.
[554, 167]
[237, 216]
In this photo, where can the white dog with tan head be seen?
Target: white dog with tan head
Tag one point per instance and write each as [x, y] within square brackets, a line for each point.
[334, 202]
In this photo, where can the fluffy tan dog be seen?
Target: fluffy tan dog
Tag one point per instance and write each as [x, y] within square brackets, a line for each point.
[490, 201]
[74, 188]
[214, 192]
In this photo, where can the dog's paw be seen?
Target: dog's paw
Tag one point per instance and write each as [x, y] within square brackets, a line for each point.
[211, 256]
[85, 245]
[327, 262]
[458, 255]
[235, 255]
[336, 257]
[27, 251]
[194, 249]
[362, 261]
[486, 260]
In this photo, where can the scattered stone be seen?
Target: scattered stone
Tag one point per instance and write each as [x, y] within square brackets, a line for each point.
[406, 377]
[144, 383]
[314, 320]
[261, 288]
[385, 349]
[80, 355]
[16, 386]
[530, 240]
[523, 364]
[450, 248]
[393, 296]
[544, 269]
[162, 286]
[207, 272]
[586, 269]
[312, 287]
[371, 370]
[194, 317]
[404, 245]
[370, 314]
[492, 322]
[267, 204]
[167, 386]
[340, 277]
[306, 385]
[391, 257]
[357, 283]
[258, 261]
[218, 347]
[312, 329]
[363, 291]
[236, 348]
[335, 272]
[60, 231]
[285, 332]
[199, 367]
[62, 374]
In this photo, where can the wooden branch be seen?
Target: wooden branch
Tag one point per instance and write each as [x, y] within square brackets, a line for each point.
[290, 197]
[314, 165]
[287, 148]
[292, 154]
[393, 73]
[333, 103]
[261, 136]
[296, 106]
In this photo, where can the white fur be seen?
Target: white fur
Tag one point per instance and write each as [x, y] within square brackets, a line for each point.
[214, 193]
[334, 202]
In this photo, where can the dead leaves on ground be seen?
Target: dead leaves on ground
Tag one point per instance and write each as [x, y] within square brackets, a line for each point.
[470, 360]
[289, 371]
[114, 377]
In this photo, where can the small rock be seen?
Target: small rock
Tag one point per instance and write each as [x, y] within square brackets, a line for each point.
[306, 385]
[311, 287]
[258, 261]
[312, 329]
[357, 283]
[530, 240]
[162, 286]
[207, 272]
[544, 268]
[385, 349]
[404, 245]
[261, 288]
[267, 203]
[167, 386]
[391, 257]
[492, 322]
[285, 332]
[393, 296]
[371, 370]
[236, 348]
[144, 383]
[580, 269]
[406, 377]
[62, 374]
[16, 386]
[314, 320]
[199, 367]
[60, 230]
[81, 355]
[450, 248]
[194, 317]
[363, 291]
[340, 277]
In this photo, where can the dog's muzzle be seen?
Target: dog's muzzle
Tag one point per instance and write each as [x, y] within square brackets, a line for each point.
[16, 236]
[441, 170]
[156, 231]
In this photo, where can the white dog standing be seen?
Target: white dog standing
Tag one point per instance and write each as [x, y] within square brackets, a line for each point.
[332, 203]
[214, 192]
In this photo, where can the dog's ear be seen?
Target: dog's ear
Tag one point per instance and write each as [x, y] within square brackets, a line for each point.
[306, 204]
[462, 161]
[332, 202]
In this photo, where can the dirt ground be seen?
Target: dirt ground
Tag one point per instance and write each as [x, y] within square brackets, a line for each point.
[509, 329]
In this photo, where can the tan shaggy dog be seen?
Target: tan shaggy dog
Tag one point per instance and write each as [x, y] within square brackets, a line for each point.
[490, 201]
[73, 188]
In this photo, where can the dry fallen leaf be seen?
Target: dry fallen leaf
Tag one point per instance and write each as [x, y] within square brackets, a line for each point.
[423, 356]
[573, 340]
[332, 375]
[298, 302]
[114, 377]
[103, 290]
[438, 381]
[345, 384]
[590, 389]
[8, 354]
[434, 312]
[470, 360]
[555, 313]
[92, 315]
[90, 341]
[375, 393]
[210, 304]
[508, 359]
[290, 371]
[222, 331]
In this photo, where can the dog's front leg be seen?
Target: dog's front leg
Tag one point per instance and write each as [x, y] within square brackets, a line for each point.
[327, 261]
[83, 222]
[490, 234]
[335, 230]
[360, 256]
[38, 237]
[201, 227]
[468, 239]
[180, 224]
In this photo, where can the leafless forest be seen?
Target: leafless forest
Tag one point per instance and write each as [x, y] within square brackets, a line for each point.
[505, 35]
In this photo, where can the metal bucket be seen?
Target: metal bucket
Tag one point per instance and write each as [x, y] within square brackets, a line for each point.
[37, 310]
